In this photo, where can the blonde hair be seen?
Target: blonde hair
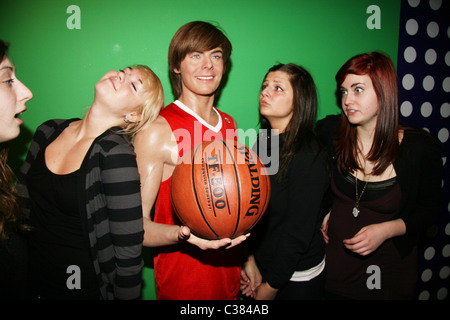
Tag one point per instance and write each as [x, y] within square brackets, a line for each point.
[149, 110]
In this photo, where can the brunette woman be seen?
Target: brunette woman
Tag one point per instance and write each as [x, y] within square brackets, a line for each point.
[13, 250]
[287, 247]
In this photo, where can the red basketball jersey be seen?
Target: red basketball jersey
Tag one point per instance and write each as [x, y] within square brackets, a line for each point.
[183, 271]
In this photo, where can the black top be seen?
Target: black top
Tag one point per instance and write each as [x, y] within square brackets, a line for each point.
[13, 268]
[419, 170]
[347, 272]
[288, 237]
[58, 242]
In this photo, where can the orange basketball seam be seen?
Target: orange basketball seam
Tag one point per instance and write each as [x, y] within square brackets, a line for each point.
[239, 191]
[195, 192]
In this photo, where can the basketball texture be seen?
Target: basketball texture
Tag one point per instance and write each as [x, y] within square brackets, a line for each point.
[220, 189]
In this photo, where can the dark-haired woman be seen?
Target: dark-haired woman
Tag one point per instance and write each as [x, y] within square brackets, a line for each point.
[287, 248]
[386, 186]
[13, 250]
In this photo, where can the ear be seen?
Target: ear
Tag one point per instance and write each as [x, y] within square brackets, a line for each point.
[177, 70]
[133, 117]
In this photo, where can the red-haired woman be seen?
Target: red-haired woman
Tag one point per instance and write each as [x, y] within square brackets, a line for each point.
[386, 186]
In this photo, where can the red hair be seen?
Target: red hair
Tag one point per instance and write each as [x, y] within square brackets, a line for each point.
[381, 71]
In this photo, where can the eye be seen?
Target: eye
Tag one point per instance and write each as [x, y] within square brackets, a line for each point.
[359, 89]
[263, 87]
[278, 88]
[343, 92]
[9, 82]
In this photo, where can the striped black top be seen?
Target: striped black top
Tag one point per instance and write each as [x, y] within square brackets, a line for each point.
[110, 208]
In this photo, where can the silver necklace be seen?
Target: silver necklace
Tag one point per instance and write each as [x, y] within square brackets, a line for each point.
[358, 197]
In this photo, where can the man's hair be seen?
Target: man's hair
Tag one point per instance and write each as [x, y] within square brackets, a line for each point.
[195, 36]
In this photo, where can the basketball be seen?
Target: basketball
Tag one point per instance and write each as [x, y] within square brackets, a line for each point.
[220, 189]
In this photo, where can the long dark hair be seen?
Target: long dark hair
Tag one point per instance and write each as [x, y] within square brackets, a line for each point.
[10, 213]
[300, 129]
[385, 144]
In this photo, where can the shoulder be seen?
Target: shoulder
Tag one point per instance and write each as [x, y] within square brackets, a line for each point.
[328, 125]
[157, 133]
[157, 141]
[48, 128]
[421, 142]
[113, 142]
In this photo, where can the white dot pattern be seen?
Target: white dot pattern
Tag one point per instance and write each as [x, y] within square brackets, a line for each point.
[424, 83]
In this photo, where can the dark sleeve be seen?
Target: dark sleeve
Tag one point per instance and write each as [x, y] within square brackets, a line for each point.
[121, 185]
[422, 182]
[325, 130]
[308, 179]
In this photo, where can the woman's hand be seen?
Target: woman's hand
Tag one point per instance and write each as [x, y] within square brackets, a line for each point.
[250, 277]
[324, 227]
[265, 292]
[370, 237]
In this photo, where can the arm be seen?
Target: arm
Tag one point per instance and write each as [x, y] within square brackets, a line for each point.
[419, 173]
[370, 237]
[154, 150]
[120, 181]
[157, 154]
[307, 182]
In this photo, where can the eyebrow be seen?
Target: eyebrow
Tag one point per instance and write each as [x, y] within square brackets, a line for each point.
[7, 67]
[129, 68]
[275, 81]
[354, 85]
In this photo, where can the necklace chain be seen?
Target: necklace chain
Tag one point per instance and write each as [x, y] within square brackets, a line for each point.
[358, 197]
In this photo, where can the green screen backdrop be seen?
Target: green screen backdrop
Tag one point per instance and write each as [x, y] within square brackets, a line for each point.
[60, 51]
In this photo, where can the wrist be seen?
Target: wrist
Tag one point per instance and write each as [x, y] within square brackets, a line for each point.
[395, 228]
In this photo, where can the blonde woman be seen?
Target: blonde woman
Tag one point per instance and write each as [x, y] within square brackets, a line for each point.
[82, 181]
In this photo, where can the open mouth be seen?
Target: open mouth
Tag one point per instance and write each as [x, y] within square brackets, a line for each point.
[19, 114]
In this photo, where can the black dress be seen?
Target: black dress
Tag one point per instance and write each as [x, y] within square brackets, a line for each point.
[383, 274]
[60, 263]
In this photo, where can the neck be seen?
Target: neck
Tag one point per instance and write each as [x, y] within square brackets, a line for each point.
[201, 105]
[365, 138]
[95, 122]
[279, 124]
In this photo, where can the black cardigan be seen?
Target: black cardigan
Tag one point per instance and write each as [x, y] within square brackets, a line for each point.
[419, 170]
[288, 237]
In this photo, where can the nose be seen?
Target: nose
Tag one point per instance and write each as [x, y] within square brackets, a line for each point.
[347, 99]
[121, 75]
[24, 94]
[207, 62]
[264, 92]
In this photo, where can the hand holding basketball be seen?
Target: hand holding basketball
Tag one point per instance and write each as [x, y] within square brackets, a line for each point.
[220, 190]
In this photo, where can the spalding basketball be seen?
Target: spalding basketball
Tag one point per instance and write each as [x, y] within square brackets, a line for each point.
[220, 189]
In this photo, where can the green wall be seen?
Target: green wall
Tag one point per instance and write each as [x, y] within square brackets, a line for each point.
[62, 65]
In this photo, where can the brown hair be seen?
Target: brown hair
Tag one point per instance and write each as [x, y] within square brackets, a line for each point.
[300, 129]
[10, 214]
[381, 71]
[195, 36]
